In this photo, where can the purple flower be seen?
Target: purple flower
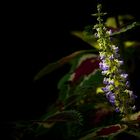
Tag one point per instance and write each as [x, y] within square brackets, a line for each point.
[108, 81]
[117, 109]
[105, 81]
[127, 84]
[100, 65]
[102, 56]
[111, 82]
[121, 62]
[109, 32]
[111, 57]
[103, 66]
[105, 89]
[135, 96]
[115, 49]
[124, 75]
[104, 72]
[132, 95]
[108, 94]
[111, 97]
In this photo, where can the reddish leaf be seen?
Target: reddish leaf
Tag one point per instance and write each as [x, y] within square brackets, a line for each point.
[85, 68]
[111, 130]
[100, 116]
[108, 131]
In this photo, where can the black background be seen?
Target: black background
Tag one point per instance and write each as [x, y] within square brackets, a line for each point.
[37, 33]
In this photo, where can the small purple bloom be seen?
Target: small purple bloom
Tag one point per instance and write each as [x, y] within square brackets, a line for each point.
[112, 102]
[105, 81]
[111, 82]
[105, 89]
[103, 66]
[108, 81]
[100, 65]
[102, 56]
[110, 32]
[112, 97]
[121, 62]
[111, 57]
[132, 95]
[108, 94]
[116, 49]
[117, 109]
[124, 75]
[135, 96]
[127, 84]
[104, 72]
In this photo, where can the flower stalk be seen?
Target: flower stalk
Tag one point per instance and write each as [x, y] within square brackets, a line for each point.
[117, 86]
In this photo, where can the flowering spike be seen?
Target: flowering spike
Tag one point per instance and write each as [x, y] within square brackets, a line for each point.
[115, 79]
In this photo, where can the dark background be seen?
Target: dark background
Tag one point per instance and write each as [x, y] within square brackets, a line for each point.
[38, 33]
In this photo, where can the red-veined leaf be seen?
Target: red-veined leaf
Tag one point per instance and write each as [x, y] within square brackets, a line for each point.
[53, 66]
[109, 131]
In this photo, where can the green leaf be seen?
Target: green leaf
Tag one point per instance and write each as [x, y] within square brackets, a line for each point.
[124, 29]
[86, 37]
[111, 22]
[53, 66]
[81, 66]
[85, 90]
[128, 44]
[63, 116]
[90, 83]
[134, 132]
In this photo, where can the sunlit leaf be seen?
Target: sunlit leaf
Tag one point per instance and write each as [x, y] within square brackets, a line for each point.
[131, 44]
[123, 18]
[111, 22]
[132, 118]
[86, 37]
[99, 90]
[124, 29]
